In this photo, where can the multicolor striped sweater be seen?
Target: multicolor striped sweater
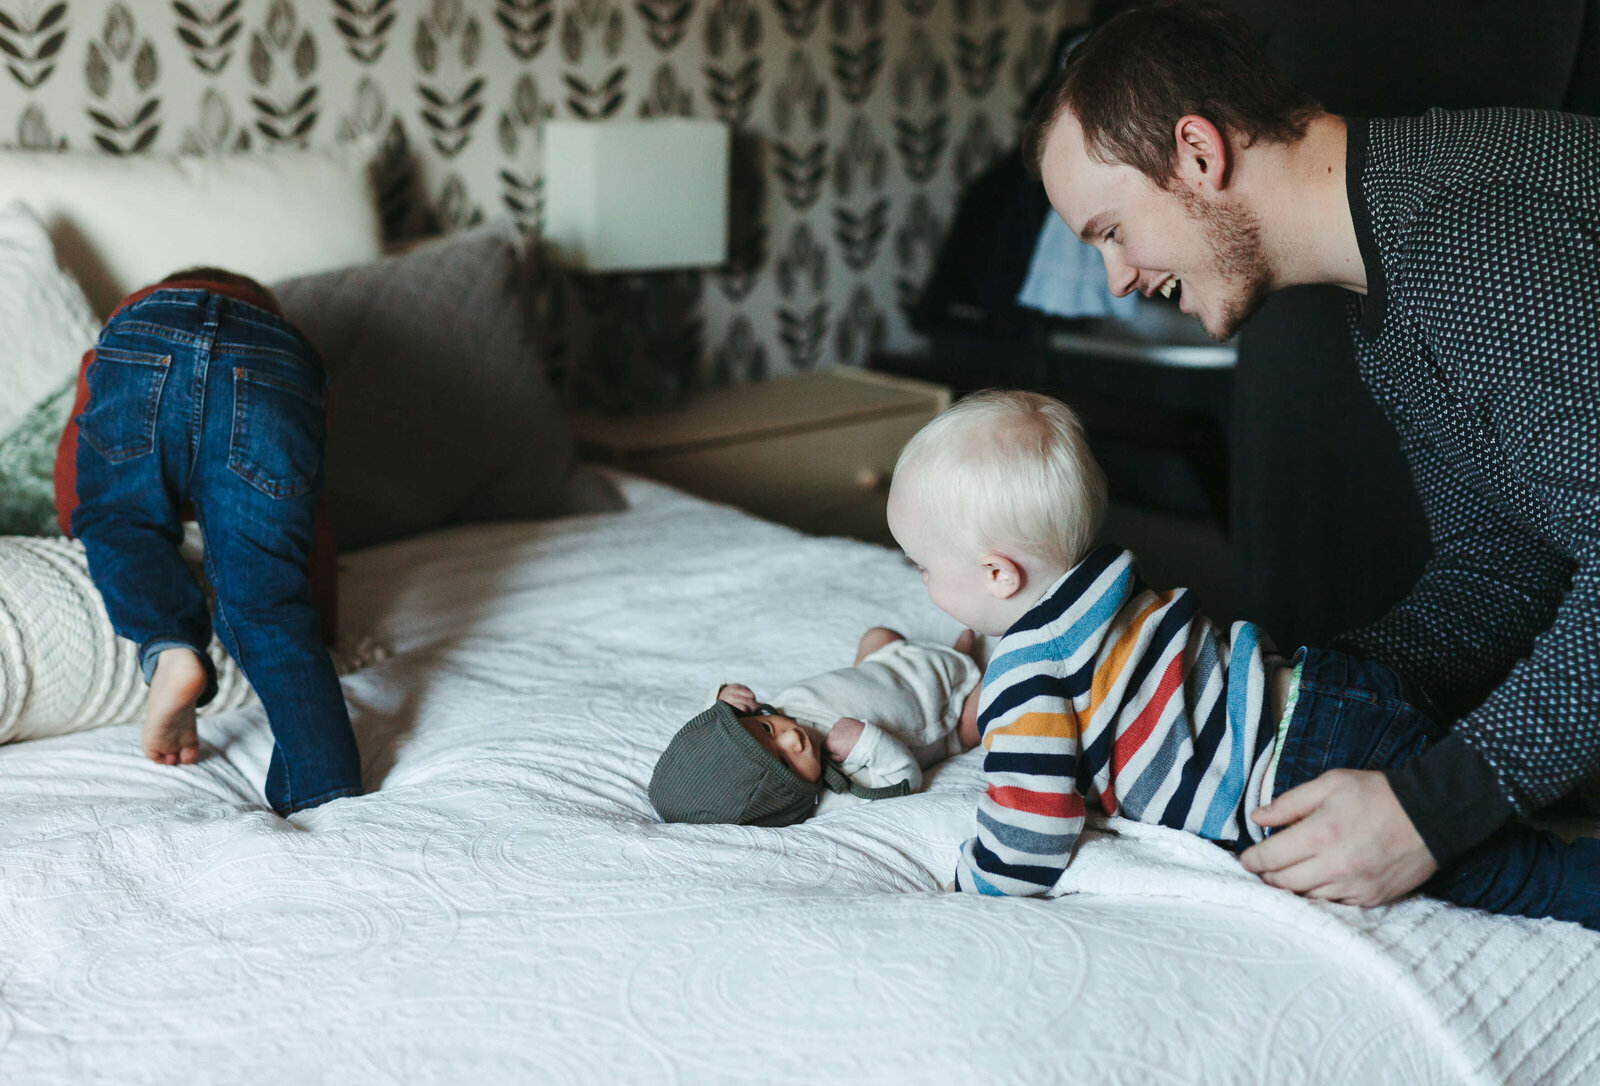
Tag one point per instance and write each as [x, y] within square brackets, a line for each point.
[1106, 691]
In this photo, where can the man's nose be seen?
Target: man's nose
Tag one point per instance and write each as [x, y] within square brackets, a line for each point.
[1120, 277]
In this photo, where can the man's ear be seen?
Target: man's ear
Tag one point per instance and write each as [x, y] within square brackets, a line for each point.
[1203, 154]
[1004, 577]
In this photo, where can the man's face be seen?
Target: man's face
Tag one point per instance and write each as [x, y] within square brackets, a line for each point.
[1206, 246]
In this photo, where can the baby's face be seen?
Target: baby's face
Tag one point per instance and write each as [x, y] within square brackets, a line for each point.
[956, 585]
[789, 741]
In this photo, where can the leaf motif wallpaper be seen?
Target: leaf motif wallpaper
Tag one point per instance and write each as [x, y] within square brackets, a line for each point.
[857, 122]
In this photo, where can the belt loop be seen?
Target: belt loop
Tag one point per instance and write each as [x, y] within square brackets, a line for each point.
[214, 303]
[202, 373]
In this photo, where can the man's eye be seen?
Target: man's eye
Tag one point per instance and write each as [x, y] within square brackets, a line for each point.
[1111, 235]
[766, 727]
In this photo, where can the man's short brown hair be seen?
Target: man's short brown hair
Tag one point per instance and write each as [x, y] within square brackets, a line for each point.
[1131, 79]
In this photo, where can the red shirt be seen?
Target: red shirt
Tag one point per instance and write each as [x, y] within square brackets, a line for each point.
[324, 551]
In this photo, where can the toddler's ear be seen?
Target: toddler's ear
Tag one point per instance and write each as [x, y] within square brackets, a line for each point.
[1004, 577]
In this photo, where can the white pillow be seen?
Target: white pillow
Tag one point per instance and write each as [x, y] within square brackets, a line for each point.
[120, 223]
[62, 667]
[45, 322]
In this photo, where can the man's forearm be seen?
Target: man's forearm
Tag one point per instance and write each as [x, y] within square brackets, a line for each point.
[1452, 796]
[1534, 737]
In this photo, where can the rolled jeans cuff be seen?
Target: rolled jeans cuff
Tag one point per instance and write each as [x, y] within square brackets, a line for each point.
[152, 650]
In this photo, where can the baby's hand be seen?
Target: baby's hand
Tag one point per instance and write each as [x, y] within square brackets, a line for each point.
[842, 737]
[739, 696]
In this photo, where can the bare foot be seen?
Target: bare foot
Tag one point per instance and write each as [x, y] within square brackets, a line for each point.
[966, 644]
[169, 735]
[967, 731]
[874, 639]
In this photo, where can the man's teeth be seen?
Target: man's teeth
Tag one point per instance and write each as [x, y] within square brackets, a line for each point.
[1168, 286]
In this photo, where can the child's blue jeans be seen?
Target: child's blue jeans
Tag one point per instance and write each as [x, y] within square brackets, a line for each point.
[1355, 714]
[195, 397]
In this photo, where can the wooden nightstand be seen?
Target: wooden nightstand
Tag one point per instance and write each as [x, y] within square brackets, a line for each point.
[814, 451]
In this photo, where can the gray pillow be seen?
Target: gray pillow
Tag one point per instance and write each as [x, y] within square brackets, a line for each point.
[441, 411]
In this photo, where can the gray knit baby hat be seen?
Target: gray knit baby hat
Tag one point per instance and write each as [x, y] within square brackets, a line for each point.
[715, 771]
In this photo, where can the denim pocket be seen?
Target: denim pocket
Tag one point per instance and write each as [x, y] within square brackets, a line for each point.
[1335, 728]
[1380, 734]
[124, 400]
[278, 429]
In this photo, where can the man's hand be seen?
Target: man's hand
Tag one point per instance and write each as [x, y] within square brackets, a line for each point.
[738, 695]
[1348, 840]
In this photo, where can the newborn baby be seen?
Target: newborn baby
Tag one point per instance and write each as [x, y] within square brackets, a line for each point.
[858, 733]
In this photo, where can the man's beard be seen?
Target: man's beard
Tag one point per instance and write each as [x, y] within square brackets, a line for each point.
[1234, 234]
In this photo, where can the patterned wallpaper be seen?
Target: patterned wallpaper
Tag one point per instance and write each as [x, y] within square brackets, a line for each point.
[856, 122]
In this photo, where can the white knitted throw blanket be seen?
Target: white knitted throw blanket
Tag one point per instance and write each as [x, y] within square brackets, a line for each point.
[62, 666]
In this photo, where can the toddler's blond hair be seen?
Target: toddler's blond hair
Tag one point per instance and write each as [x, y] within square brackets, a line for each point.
[1007, 470]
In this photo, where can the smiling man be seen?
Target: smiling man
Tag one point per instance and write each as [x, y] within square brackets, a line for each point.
[1470, 243]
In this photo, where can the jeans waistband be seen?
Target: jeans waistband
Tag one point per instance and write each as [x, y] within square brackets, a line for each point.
[188, 310]
[1329, 669]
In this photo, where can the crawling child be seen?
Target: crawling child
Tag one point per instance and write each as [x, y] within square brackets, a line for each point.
[845, 736]
[199, 392]
[1104, 691]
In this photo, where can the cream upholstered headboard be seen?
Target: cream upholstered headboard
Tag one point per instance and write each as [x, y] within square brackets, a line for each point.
[118, 223]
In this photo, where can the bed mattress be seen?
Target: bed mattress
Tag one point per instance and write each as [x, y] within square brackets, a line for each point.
[505, 907]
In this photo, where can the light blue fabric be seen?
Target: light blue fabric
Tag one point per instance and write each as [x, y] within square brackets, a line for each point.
[1067, 278]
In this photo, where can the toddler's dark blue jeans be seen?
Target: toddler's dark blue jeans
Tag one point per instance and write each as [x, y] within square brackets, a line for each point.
[195, 397]
[1355, 714]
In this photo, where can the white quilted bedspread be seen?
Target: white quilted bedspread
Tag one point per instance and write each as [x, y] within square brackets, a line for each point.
[504, 908]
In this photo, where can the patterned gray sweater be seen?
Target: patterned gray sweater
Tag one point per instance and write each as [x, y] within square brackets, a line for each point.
[1480, 337]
